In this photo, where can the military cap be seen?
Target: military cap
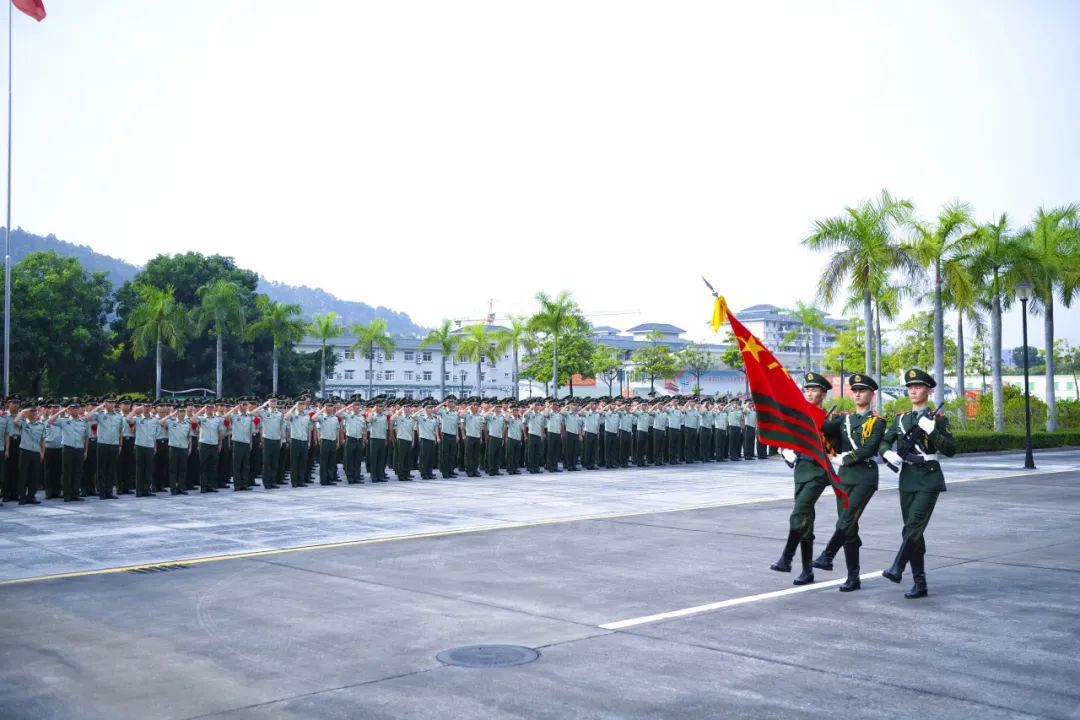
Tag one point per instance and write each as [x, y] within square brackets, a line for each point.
[813, 379]
[859, 381]
[915, 376]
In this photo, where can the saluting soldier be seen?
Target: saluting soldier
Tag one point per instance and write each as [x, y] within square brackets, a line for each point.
[404, 429]
[474, 437]
[553, 421]
[534, 424]
[146, 427]
[515, 438]
[749, 431]
[720, 428]
[109, 434]
[53, 454]
[734, 430]
[7, 428]
[920, 435]
[355, 426]
[427, 426]
[449, 421]
[177, 425]
[705, 432]
[161, 448]
[810, 481]
[88, 476]
[125, 461]
[571, 436]
[643, 430]
[241, 424]
[271, 426]
[675, 440]
[75, 444]
[299, 432]
[378, 430]
[859, 436]
[495, 420]
[31, 429]
[209, 427]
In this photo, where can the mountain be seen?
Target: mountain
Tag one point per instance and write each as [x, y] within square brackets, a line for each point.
[311, 300]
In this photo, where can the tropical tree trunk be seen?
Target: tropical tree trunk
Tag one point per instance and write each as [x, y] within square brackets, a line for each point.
[322, 371]
[868, 328]
[274, 374]
[995, 358]
[157, 372]
[877, 354]
[1051, 401]
[479, 385]
[939, 338]
[960, 384]
[219, 368]
[555, 369]
[515, 372]
[442, 376]
[371, 371]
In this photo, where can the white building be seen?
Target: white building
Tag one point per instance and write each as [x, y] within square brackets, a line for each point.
[1065, 386]
[771, 325]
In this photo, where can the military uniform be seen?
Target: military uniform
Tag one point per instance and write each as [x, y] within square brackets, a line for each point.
[378, 427]
[271, 423]
[660, 446]
[859, 436]
[749, 449]
[734, 431]
[553, 439]
[209, 427]
[572, 441]
[534, 424]
[355, 426]
[427, 426]
[299, 433]
[449, 424]
[496, 429]
[125, 461]
[178, 434]
[474, 435]
[74, 439]
[7, 429]
[921, 435]
[31, 449]
[515, 432]
[720, 429]
[109, 436]
[241, 424]
[53, 460]
[404, 431]
[146, 427]
[643, 423]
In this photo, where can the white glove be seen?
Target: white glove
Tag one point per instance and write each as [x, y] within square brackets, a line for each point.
[893, 458]
[789, 455]
[837, 462]
[927, 424]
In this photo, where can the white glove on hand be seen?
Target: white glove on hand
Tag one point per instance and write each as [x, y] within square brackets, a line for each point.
[789, 455]
[893, 458]
[927, 424]
[837, 462]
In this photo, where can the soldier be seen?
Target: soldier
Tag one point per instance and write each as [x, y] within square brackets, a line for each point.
[674, 433]
[553, 426]
[749, 431]
[626, 433]
[860, 434]
[449, 421]
[88, 476]
[571, 437]
[810, 481]
[161, 448]
[271, 423]
[53, 454]
[474, 437]
[109, 435]
[125, 462]
[31, 429]
[146, 426]
[590, 426]
[705, 432]
[209, 427]
[241, 423]
[355, 425]
[496, 435]
[299, 431]
[427, 428]
[734, 430]
[75, 444]
[515, 437]
[720, 428]
[534, 425]
[177, 425]
[7, 428]
[921, 435]
[404, 429]
[378, 429]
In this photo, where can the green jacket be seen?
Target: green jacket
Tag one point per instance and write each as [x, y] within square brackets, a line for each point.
[859, 455]
[926, 476]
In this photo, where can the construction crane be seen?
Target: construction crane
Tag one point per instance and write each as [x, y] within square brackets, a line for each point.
[490, 318]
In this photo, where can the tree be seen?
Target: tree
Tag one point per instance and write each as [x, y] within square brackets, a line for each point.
[655, 360]
[915, 347]
[809, 319]
[864, 252]
[514, 335]
[850, 342]
[696, 361]
[369, 337]
[557, 316]
[1067, 359]
[476, 344]
[1034, 356]
[442, 337]
[1054, 241]
[935, 246]
[980, 360]
[961, 293]
[222, 310]
[576, 350]
[324, 328]
[158, 321]
[280, 321]
[607, 363]
[59, 340]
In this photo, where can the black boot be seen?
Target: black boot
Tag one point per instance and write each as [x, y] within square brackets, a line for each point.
[806, 548]
[851, 556]
[896, 572]
[784, 563]
[918, 573]
[824, 561]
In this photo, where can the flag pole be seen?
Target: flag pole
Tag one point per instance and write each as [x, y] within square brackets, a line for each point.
[7, 235]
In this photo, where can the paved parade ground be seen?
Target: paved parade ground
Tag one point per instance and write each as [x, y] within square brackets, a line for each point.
[646, 592]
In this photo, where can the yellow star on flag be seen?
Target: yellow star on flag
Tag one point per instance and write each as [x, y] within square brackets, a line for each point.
[750, 345]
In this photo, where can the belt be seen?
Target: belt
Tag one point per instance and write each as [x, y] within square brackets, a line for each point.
[926, 457]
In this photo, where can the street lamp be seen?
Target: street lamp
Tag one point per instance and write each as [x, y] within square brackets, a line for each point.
[1023, 291]
[840, 357]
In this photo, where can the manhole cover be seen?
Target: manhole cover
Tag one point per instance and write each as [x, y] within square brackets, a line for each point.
[483, 656]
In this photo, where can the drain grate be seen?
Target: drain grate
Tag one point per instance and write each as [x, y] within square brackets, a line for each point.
[486, 656]
[158, 568]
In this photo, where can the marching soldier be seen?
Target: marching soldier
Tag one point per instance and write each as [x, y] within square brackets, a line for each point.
[919, 436]
[860, 434]
[810, 481]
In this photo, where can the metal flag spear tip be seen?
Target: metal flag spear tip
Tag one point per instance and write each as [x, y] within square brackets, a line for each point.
[708, 285]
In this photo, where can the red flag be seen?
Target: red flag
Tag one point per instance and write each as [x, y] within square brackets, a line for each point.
[785, 418]
[33, 8]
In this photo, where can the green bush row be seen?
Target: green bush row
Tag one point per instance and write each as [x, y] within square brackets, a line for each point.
[982, 441]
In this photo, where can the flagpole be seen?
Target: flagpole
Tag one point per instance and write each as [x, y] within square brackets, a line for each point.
[7, 234]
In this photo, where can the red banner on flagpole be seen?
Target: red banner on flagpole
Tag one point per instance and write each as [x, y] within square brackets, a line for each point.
[33, 8]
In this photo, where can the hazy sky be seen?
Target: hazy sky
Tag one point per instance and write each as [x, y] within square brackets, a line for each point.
[428, 156]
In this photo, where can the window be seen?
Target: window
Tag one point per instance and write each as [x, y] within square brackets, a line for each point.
[506, 376]
[349, 374]
[407, 394]
[367, 374]
[388, 374]
[379, 357]
[350, 354]
[408, 374]
[427, 375]
[482, 376]
[506, 357]
[446, 376]
[378, 375]
[409, 355]
[340, 356]
[426, 356]
[464, 375]
[329, 376]
[367, 356]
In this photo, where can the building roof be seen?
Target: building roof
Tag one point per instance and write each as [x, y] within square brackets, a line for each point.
[489, 328]
[658, 327]
[606, 330]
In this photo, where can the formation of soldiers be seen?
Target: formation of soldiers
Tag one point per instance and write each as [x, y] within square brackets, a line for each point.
[108, 447]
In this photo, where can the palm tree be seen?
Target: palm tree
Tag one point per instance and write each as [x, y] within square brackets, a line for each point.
[442, 337]
[997, 255]
[157, 320]
[282, 323]
[515, 336]
[934, 246]
[1054, 241]
[961, 293]
[368, 337]
[221, 309]
[476, 343]
[887, 297]
[862, 238]
[325, 328]
[556, 317]
[809, 319]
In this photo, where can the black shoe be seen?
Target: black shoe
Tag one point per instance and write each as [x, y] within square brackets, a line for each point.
[209, 490]
[918, 572]
[108, 497]
[784, 563]
[405, 479]
[851, 556]
[895, 572]
[241, 489]
[806, 549]
[31, 501]
[181, 492]
[126, 492]
[825, 560]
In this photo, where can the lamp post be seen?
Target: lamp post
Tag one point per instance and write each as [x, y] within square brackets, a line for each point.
[1023, 291]
[841, 358]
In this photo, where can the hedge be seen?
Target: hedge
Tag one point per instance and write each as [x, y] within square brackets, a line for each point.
[1013, 440]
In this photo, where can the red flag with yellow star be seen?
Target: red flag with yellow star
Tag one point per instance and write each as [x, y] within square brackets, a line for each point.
[785, 418]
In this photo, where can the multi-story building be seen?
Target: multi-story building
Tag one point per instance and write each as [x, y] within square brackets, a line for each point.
[772, 325]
